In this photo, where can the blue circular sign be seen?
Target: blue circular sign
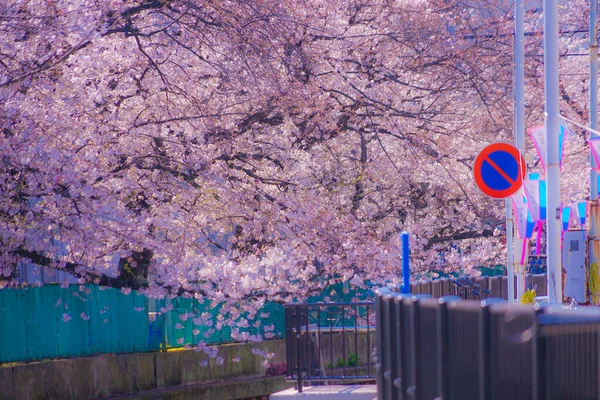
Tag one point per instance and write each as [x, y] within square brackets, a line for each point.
[499, 170]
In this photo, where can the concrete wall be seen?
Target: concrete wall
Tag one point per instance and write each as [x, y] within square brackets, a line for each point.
[105, 375]
[248, 388]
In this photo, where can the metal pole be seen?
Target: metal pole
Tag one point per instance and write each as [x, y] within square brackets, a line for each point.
[405, 264]
[594, 217]
[519, 76]
[553, 169]
[593, 94]
[510, 270]
[594, 254]
[519, 128]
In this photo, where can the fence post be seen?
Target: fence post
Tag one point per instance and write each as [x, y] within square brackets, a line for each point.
[442, 343]
[298, 316]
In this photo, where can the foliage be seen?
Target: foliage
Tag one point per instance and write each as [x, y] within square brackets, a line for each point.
[276, 369]
[528, 296]
[352, 361]
[594, 283]
[250, 150]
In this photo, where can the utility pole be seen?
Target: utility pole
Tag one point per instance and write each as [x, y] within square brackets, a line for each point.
[593, 94]
[594, 218]
[552, 124]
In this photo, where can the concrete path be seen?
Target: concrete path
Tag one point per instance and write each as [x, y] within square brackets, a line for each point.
[331, 392]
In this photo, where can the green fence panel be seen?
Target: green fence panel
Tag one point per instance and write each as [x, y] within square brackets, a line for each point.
[132, 322]
[81, 320]
[179, 329]
[101, 325]
[13, 332]
[274, 319]
[52, 322]
[68, 332]
[49, 321]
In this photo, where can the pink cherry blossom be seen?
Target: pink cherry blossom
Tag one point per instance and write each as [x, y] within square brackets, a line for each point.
[167, 166]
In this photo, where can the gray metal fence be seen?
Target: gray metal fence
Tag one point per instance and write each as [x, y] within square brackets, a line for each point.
[328, 342]
[477, 288]
[450, 348]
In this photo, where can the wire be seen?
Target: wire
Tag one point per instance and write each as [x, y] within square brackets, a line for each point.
[578, 124]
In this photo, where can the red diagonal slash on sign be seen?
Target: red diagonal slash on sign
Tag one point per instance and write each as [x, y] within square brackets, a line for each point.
[499, 170]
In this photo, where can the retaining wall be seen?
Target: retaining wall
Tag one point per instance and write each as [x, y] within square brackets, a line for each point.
[158, 375]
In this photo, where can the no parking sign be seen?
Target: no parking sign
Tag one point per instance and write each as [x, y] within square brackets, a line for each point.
[499, 170]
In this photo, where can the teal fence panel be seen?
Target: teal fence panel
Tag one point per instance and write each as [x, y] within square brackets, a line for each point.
[132, 324]
[191, 322]
[342, 292]
[13, 333]
[52, 322]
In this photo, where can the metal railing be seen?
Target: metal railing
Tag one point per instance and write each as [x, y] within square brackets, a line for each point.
[476, 288]
[327, 342]
[469, 290]
[451, 348]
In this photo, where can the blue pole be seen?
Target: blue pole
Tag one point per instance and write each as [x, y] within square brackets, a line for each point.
[405, 264]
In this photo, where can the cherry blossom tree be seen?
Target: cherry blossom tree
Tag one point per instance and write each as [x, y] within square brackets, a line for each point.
[261, 149]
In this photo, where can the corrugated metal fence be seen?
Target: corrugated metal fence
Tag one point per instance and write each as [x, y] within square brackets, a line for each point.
[51, 322]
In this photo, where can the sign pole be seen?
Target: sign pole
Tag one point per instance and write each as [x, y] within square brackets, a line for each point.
[499, 170]
[519, 54]
[510, 265]
[552, 124]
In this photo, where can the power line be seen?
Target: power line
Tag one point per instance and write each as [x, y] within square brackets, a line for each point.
[527, 34]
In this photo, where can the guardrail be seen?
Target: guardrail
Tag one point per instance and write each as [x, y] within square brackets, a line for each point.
[477, 288]
[451, 348]
[328, 342]
[467, 289]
